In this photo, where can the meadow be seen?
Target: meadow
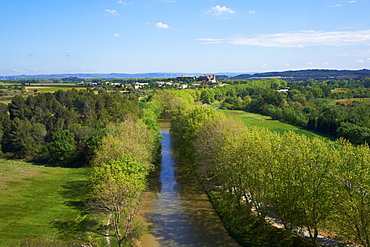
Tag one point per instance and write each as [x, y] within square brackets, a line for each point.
[258, 120]
[40, 201]
[51, 88]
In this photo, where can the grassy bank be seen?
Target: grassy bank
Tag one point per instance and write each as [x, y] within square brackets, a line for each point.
[257, 120]
[40, 201]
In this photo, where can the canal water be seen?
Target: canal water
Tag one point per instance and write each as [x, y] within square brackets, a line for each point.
[177, 211]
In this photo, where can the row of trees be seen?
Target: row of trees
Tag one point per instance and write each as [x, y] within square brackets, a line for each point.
[120, 169]
[305, 183]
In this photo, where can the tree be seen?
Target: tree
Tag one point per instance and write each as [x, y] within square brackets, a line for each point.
[207, 96]
[117, 188]
[62, 146]
[351, 184]
[132, 138]
[18, 138]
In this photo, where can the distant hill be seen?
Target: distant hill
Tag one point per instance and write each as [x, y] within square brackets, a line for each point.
[307, 74]
[109, 76]
[294, 75]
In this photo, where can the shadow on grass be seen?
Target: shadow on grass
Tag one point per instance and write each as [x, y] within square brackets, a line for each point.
[75, 194]
[79, 230]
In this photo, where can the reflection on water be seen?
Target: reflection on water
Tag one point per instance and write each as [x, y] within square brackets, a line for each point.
[177, 210]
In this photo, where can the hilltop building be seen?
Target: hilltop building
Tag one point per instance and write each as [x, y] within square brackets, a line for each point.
[205, 78]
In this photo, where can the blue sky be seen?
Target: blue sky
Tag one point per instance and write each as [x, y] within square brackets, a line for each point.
[203, 36]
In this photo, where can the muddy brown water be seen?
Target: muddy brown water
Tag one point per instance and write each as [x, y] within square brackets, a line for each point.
[176, 209]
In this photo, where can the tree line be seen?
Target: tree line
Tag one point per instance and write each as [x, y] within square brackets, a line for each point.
[310, 73]
[119, 177]
[305, 183]
[307, 105]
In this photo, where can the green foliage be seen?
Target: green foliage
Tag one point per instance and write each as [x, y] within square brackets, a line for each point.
[132, 138]
[22, 138]
[186, 122]
[288, 176]
[62, 146]
[306, 104]
[34, 121]
[169, 98]
[351, 186]
[207, 96]
[118, 182]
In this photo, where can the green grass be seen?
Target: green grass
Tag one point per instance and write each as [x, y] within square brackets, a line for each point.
[257, 120]
[51, 89]
[41, 201]
[216, 104]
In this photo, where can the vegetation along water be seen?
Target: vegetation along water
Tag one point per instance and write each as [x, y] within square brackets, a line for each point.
[81, 160]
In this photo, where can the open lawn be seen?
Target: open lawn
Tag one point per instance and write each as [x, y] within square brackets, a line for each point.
[37, 200]
[257, 120]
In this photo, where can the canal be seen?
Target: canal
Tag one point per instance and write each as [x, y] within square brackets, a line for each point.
[177, 210]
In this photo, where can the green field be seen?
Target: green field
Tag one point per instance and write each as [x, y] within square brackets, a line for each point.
[40, 201]
[257, 120]
[52, 87]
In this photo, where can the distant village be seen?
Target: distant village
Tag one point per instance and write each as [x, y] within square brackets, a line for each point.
[180, 82]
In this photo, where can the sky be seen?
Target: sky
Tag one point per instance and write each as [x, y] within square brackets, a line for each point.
[188, 36]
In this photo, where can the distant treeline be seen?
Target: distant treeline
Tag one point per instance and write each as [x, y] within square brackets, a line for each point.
[317, 74]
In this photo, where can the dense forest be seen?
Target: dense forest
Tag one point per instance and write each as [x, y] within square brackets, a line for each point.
[65, 126]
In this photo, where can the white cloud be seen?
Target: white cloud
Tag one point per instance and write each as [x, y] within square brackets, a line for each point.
[252, 12]
[112, 12]
[352, 1]
[309, 63]
[116, 35]
[301, 39]
[286, 65]
[162, 25]
[337, 5]
[218, 10]
[360, 61]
